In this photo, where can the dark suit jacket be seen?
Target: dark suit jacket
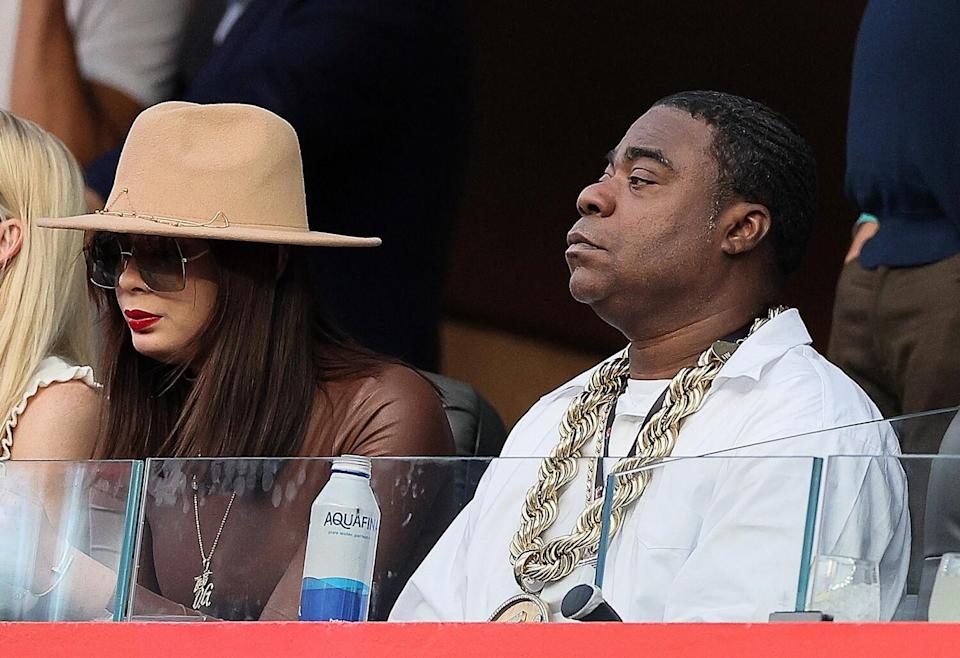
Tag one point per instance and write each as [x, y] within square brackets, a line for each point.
[377, 91]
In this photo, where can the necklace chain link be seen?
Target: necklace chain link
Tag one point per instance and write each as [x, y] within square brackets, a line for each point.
[537, 561]
[216, 540]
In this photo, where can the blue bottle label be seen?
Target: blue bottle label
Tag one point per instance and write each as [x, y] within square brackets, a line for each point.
[333, 599]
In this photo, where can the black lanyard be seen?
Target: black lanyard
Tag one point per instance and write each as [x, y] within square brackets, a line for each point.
[598, 477]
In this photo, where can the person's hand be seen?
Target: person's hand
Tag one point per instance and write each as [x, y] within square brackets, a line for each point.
[861, 235]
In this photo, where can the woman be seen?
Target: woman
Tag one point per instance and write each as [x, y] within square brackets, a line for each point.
[48, 399]
[214, 346]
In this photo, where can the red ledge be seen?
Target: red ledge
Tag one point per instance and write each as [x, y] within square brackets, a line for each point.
[106, 640]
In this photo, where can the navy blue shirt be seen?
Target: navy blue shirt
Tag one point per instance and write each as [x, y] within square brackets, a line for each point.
[903, 135]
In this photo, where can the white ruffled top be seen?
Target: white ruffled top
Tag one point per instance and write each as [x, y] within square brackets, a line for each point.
[51, 370]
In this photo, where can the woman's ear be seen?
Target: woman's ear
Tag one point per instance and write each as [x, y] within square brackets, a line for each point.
[11, 240]
[746, 225]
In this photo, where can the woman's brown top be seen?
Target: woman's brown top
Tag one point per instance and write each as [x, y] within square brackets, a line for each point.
[257, 566]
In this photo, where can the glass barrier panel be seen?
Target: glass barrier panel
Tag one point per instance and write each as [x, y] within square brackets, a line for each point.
[66, 539]
[888, 486]
[912, 557]
[251, 518]
[926, 431]
[716, 539]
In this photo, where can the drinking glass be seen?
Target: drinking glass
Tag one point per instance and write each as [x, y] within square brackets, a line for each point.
[945, 598]
[846, 588]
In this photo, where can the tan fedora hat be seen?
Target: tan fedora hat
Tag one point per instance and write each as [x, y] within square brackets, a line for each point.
[218, 172]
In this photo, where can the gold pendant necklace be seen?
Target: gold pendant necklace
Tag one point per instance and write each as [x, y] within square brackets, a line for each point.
[522, 609]
[203, 584]
[526, 607]
[535, 561]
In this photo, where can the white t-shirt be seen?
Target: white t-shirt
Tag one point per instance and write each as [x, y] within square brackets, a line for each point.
[632, 410]
[710, 539]
[130, 45]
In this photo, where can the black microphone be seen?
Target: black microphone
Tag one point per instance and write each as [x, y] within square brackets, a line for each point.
[585, 603]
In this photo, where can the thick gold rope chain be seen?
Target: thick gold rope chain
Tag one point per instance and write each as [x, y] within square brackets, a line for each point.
[537, 561]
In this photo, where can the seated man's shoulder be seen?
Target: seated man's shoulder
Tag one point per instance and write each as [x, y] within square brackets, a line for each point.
[804, 396]
[806, 372]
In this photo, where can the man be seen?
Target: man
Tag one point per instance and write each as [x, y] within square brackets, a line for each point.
[377, 92]
[84, 69]
[897, 320]
[683, 245]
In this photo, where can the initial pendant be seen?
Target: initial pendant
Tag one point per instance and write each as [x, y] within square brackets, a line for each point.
[203, 588]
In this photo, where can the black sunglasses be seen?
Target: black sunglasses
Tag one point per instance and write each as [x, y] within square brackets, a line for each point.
[160, 260]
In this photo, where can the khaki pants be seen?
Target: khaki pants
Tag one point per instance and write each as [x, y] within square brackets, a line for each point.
[896, 332]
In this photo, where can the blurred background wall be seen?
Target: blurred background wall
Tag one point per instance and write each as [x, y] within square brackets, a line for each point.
[555, 85]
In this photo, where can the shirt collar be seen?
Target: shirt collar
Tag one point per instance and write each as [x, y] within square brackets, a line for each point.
[770, 342]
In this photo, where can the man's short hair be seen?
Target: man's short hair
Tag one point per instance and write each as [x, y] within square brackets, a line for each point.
[761, 158]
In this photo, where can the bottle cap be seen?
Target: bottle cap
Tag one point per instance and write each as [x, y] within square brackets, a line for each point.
[353, 465]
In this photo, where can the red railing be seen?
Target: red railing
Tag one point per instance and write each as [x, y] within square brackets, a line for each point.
[104, 640]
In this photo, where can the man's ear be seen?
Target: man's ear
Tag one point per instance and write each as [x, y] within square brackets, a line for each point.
[11, 240]
[745, 225]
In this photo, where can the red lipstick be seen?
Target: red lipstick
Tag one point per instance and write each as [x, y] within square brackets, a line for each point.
[140, 320]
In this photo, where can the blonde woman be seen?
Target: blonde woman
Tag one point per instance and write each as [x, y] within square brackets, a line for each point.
[48, 399]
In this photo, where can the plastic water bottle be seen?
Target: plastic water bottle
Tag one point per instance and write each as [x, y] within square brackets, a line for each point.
[341, 545]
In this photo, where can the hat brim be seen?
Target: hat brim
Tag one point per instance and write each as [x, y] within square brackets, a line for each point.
[240, 233]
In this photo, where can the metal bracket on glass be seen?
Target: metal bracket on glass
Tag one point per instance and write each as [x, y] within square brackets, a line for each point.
[802, 615]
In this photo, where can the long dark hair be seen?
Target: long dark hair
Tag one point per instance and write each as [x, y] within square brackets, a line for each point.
[264, 357]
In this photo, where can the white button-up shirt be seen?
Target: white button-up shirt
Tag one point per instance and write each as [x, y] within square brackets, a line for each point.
[711, 539]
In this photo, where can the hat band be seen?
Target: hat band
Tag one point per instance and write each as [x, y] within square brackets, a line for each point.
[217, 221]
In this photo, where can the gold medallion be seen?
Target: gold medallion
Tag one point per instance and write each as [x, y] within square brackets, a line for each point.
[522, 609]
